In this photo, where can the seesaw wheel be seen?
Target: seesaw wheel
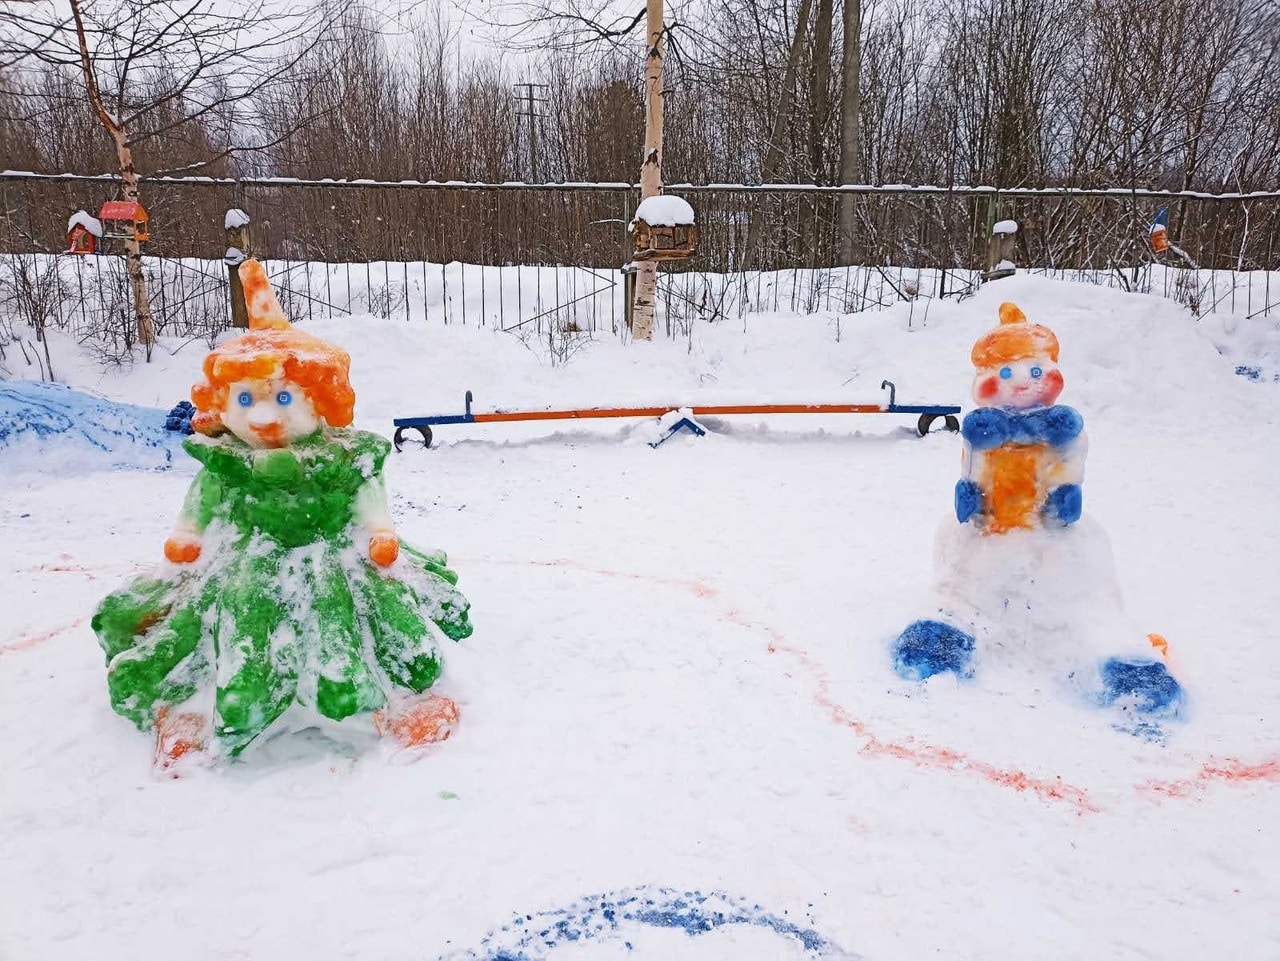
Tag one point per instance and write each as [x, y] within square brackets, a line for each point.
[926, 421]
[398, 439]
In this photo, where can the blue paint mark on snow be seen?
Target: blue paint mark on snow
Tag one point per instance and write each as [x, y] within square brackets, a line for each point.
[1256, 374]
[615, 915]
[49, 427]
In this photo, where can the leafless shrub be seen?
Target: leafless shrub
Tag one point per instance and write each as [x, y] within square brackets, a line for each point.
[31, 294]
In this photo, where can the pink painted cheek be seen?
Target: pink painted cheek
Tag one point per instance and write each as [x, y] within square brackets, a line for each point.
[988, 388]
[1052, 386]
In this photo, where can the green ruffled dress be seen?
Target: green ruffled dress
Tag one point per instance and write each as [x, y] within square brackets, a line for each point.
[283, 607]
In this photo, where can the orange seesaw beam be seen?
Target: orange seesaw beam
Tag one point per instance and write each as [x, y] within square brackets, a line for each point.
[597, 412]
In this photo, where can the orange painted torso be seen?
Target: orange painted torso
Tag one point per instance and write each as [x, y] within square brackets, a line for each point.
[1011, 480]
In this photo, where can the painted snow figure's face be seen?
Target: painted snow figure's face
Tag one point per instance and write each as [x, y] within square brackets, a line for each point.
[269, 413]
[1018, 384]
[1016, 364]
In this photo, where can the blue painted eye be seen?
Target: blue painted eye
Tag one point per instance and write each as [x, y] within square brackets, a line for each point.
[1006, 373]
[284, 398]
[1036, 372]
[245, 398]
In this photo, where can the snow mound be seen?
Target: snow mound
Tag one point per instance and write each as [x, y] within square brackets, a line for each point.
[51, 429]
[234, 219]
[1252, 343]
[1044, 599]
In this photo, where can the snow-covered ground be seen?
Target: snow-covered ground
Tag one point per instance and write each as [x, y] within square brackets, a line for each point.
[679, 689]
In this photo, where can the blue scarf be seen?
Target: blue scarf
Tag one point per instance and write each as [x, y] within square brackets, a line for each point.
[989, 427]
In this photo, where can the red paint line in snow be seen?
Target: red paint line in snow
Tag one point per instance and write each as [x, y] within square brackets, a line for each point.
[90, 572]
[35, 640]
[1228, 770]
[932, 756]
[922, 755]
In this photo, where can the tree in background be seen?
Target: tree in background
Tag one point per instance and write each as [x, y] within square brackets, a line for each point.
[152, 69]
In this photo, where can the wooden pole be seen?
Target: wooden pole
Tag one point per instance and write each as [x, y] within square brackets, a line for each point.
[237, 240]
[650, 168]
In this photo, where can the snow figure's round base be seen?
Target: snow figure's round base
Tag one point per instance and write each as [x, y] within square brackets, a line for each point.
[1045, 601]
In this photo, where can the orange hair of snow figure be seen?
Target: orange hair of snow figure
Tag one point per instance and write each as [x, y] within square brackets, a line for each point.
[1014, 339]
[273, 349]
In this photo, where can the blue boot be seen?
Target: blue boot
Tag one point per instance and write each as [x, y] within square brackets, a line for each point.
[927, 648]
[1156, 690]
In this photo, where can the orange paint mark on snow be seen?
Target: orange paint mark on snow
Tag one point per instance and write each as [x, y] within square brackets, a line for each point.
[1160, 644]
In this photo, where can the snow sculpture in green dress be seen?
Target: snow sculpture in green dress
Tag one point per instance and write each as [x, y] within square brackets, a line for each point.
[287, 598]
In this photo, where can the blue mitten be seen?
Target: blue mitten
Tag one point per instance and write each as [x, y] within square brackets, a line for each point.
[968, 500]
[1064, 503]
[927, 648]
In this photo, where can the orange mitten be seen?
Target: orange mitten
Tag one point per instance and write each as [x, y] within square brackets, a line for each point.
[384, 549]
[182, 550]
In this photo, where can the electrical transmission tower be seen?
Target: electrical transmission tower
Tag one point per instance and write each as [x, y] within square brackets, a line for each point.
[526, 107]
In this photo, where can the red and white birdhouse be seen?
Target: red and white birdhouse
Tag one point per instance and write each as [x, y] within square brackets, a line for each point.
[124, 220]
[83, 231]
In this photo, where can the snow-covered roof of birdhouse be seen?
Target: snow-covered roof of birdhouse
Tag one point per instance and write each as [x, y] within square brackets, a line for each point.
[664, 211]
[234, 219]
[1005, 227]
[122, 210]
[86, 220]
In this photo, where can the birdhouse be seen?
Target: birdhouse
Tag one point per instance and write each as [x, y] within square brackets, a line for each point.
[124, 220]
[83, 232]
[1160, 231]
[664, 228]
[1000, 250]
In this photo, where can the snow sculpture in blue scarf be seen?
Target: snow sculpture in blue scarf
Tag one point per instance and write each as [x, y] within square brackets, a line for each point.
[1023, 573]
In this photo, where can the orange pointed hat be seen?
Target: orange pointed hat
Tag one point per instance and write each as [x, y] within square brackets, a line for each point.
[265, 312]
[1014, 339]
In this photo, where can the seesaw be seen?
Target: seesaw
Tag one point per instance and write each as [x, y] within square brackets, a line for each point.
[928, 413]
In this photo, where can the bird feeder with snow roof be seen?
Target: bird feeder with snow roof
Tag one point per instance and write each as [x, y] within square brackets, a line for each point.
[664, 228]
[124, 220]
[1000, 251]
[83, 231]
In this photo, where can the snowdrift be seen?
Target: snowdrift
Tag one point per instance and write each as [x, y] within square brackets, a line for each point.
[54, 430]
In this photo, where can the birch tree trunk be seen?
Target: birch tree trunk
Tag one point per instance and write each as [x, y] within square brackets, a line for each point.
[646, 293]
[129, 188]
[850, 116]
